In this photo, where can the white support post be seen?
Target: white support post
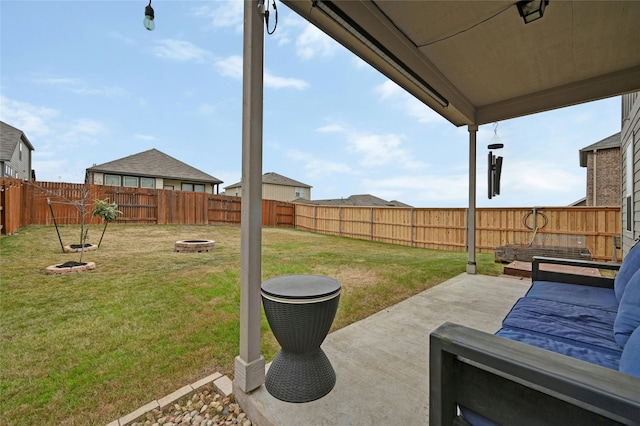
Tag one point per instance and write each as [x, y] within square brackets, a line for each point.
[472, 268]
[250, 364]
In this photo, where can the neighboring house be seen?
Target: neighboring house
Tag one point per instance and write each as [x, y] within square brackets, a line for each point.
[363, 200]
[630, 149]
[15, 153]
[152, 169]
[602, 160]
[275, 187]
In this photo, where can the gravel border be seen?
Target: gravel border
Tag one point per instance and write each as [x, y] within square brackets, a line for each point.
[207, 402]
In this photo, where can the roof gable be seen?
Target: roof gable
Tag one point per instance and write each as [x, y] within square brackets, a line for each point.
[361, 200]
[156, 164]
[275, 179]
[9, 138]
[613, 141]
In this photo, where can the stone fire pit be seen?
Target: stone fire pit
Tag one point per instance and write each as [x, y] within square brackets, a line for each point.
[195, 246]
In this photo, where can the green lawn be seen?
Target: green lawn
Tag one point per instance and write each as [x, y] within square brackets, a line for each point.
[88, 348]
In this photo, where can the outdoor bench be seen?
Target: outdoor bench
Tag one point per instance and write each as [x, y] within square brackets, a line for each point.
[568, 352]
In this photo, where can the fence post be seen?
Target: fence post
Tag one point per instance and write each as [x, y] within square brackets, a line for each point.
[412, 227]
[371, 223]
[315, 218]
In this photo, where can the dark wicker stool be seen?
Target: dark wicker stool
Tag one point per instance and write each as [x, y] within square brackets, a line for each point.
[300, 310]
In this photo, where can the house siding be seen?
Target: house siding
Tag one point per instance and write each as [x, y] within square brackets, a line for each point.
[603, 170]
[630, 135]
[283, 192]
[160, 183]
[21, 168]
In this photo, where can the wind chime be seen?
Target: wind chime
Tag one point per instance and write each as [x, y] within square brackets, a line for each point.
[495, 165]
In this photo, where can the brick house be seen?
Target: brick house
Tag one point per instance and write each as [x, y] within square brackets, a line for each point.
[603, 162]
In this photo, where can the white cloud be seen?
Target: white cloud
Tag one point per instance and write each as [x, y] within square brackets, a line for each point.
[229, 14]
[206, 109]
[117, 36]
[85, 126]
[79, 87]
[400, 99]
[536, 177]
[32, 120]
[375, 150]
[433, 190]
[232, 67]
[312, 43]
[144, 137]
[60, 142]
[274, 82]
[331, 128]
[320, 168]
[180, 51]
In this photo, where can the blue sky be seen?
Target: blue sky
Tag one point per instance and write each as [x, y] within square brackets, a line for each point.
[88, 84]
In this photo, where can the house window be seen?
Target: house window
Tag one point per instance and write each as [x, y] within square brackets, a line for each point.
[131, 181]
[169, 187]
[148, 183]
[20, 155]
[112, 180]
[301, 192]
[187, 187]
[198, 187]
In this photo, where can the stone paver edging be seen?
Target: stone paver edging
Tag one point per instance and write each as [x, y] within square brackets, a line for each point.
[54, 270]
[222, 384]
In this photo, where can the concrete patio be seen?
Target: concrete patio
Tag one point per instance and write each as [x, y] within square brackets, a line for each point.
[382, 362]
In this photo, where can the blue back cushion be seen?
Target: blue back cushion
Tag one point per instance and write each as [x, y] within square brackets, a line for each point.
[628, 317]
[630, 359]
[630, 264]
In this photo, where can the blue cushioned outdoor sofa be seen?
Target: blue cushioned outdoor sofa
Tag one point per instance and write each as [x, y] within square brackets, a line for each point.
[568, 353]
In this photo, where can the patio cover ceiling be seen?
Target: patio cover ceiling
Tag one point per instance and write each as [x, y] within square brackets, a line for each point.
[484, 60]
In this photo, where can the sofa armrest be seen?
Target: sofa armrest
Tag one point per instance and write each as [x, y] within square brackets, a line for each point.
[541, 274]
[509, 382]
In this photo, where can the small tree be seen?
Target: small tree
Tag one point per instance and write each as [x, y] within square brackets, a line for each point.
[81, 206]
[107, 211]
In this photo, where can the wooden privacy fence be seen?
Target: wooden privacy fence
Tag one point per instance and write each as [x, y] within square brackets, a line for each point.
[10, 205]
[445, 229]
[24, 203]
[38, 203]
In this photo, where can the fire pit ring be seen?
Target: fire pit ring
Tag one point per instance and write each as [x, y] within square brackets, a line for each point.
[195, 246]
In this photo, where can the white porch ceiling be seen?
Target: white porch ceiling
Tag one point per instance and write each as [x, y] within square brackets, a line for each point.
[482, 58]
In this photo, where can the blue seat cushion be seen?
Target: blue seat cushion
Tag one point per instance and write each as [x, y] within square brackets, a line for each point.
[630, 264]
[564, 321]
[630, 359]
[584, 295]
[594, 354]
[628, 318]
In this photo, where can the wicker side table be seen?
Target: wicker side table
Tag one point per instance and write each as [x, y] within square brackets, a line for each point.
[300, 310]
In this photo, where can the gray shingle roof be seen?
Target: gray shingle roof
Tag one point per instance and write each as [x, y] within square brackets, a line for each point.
[613, 141]
[274, 179]
[154, 163]
[363, 200]
[9, 138]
